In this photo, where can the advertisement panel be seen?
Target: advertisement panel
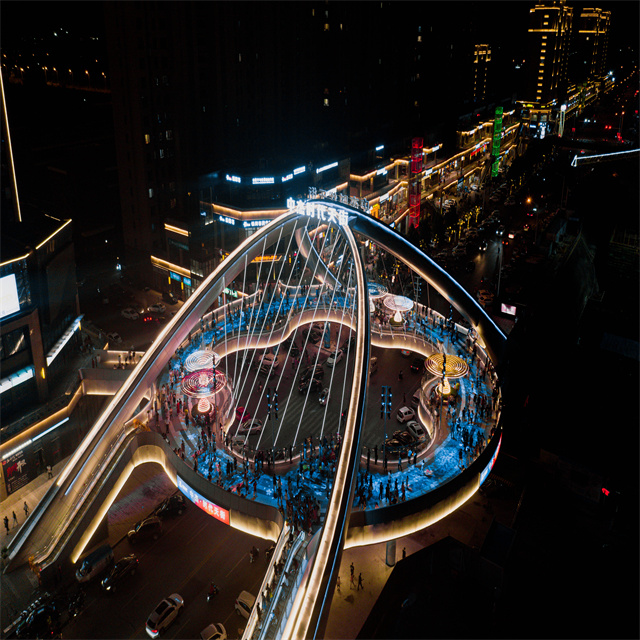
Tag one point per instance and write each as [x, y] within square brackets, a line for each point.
[18, 471]
[208, 507]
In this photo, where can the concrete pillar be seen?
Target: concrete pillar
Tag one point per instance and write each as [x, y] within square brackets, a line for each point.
[391, 553]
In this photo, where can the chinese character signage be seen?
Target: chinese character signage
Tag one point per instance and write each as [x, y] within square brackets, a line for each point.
[208, 507]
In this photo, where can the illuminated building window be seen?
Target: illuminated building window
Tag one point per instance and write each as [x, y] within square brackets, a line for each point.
[161, 152]
[326, 26]
[326, 102]
[150, 192]
[147, 138]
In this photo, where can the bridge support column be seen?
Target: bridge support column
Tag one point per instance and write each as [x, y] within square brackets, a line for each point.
[391, 553]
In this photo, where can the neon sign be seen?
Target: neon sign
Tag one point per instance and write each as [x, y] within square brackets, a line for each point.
[262, 181]
[327, 167]
[208, 507]
[233, 178]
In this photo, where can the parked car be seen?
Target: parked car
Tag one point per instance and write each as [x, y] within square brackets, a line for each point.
[392, 445]
[215, 631]
[173, 505]
[417, 365]
[129, 313]
[269, 360]
[314, 384]
[244, 604]
[164, 614]
[405, 437]
[149, 528]
[250, 426]
[335, 357]
[114, 338]
[312, 372]
[405, 414]
[242, 415]
[157, 307]
[95, 563]
[169, 298]
[36, 624]
[126, 566]
[417, 431]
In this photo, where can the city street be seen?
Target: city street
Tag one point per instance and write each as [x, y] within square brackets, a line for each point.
[194, 550]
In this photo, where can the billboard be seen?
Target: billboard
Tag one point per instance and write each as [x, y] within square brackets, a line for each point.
[9, 301]
[212, 509]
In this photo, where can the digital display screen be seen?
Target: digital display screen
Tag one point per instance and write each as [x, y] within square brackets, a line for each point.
[508, 309]
[208, 507]
[9, 301]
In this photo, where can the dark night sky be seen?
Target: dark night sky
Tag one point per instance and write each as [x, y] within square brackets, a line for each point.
[503, 22]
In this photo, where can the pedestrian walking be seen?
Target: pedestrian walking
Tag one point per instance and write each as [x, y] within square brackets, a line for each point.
[352, 569]
[337, 581]
[360, 585]
[404, 552]
[6, 524]
[26, 509]
[49, 471]
[15, 518]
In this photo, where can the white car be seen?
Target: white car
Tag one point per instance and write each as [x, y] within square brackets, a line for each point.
[335, 357]
[130, 313]
[114, 337]
[417, 431]
[164, 614]
[158, 307]
[254, 425]
[405, 414]
[244, 604]
[214, 632]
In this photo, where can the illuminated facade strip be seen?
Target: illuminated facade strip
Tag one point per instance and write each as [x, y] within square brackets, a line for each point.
[170, 266]
[17, 378]
[10, 151]
[59, 346]
[182, 232]
[24, 257]
[53, 234]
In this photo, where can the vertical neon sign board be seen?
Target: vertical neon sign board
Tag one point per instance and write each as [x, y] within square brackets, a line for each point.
[497, 133]
[208, 507]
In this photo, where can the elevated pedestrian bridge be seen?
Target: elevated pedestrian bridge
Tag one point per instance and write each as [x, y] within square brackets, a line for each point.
[67, 519]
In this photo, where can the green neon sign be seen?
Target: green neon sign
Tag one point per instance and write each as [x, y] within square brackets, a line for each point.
[497, 133]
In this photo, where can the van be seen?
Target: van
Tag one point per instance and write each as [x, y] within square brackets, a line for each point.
[96, 562]
[373, 365]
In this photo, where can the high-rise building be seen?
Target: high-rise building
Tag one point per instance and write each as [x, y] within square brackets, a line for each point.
[244, 106]
[481, 60]
[549, 42]
[549, 34]
[591, 43]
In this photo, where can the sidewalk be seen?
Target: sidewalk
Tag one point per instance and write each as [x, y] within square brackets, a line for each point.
[350, 607]
[18, 586]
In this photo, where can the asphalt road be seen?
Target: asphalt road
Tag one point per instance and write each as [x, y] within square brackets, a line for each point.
[301, 415]
[193, 550]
